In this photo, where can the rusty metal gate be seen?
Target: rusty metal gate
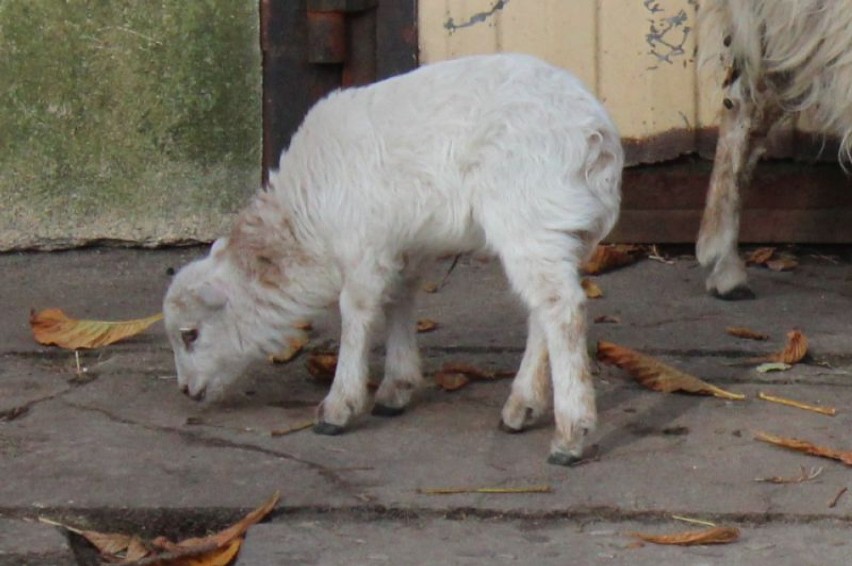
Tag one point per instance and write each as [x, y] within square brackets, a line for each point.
[311, 47]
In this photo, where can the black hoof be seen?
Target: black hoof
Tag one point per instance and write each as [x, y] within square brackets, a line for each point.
[328, 429]
[380, 410]
[740, 293]
[506, 428]
[563, 459]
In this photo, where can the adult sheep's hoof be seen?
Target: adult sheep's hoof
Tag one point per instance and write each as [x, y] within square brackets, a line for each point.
[380, 410]
[328, 429]
[738, 293]
[563, 459]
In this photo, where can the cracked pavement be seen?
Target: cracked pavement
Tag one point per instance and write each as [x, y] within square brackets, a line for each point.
[123, 448]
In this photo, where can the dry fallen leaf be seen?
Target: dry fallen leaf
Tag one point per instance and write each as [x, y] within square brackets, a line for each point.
[805, 447]
[218, 549]
[609, 257]
[455, 375]
[782, 264]
[53, 327]
[451, 381]
[760, 256]
[593, 291]
[322, 365]
[426, 325]
[607, 319]
[715, 535]
[747, 333]
[656, 375]
[794, 352]
[292, 349]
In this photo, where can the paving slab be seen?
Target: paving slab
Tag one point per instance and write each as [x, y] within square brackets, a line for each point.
[104, 439]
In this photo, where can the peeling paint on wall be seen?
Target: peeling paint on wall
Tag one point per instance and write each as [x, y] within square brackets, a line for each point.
[478, 18]
[667, 34]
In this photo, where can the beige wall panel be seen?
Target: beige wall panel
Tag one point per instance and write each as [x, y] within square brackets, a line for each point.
[453, 28]
[647, 70]
[559, 31]
[563, 33]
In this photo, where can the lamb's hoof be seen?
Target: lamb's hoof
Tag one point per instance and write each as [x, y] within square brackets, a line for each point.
[563, 459]
[506, 428]
[380, 410]
[328, 429]
[738, 293]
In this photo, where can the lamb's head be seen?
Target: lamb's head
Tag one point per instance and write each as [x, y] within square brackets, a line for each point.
[209, 326]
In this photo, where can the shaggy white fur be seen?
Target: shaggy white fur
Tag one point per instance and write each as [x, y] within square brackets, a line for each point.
[500, 153]
[777, 57]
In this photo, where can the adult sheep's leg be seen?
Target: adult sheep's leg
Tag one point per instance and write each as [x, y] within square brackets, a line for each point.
[744, 125]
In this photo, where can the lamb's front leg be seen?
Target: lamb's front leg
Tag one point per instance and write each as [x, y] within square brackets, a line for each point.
[360, 305]
[402, 362]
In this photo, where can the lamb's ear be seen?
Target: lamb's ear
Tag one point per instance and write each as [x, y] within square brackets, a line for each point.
[213, 294]
[218, 246]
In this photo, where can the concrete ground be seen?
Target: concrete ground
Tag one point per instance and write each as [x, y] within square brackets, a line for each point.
[123, 450]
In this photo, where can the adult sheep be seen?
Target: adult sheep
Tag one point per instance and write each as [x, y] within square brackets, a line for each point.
[778, 58]
[501, 153]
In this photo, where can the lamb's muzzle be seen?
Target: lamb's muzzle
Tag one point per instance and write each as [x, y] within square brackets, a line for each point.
[503, 153]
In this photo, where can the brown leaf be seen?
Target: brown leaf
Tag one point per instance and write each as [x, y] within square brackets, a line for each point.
[292, 349]
[715, 535]
[451, 380]
[469, 370]
[218, 549]
[656, 375]
[782, 264]
[455, 375]
[607, 319]
[746, 333]
[126, 547]
[608, 257]
[425, 325]
[794, 352]
[430, 287]
[760, 256]
[593, 291]
[53, 327]
[322, 365]
[806, 447]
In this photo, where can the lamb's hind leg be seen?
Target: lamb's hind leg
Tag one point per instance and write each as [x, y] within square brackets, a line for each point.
[402, 362]
[531, 387]
[549, 283]
[744, 125]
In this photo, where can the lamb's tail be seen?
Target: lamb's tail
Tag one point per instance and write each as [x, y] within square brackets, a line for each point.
[603, 167]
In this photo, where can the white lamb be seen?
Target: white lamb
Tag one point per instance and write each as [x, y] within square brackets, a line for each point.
[500, 153]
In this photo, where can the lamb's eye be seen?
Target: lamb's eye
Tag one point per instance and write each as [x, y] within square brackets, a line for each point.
[189, 336]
